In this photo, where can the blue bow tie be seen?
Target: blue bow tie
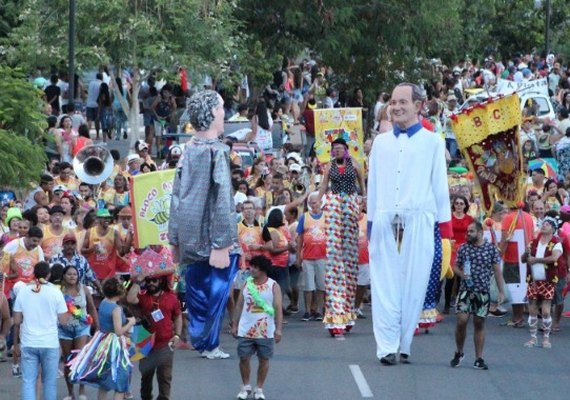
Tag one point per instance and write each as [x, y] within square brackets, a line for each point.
[410, 131]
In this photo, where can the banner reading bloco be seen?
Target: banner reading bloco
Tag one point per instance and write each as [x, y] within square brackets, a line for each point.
[332, 123]
[488, 137]
[151, 195]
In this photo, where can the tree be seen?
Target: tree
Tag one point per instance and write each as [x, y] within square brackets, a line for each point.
[21, 128]
[143, 36]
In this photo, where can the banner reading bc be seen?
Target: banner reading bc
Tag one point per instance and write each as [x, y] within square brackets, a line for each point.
[488, 137]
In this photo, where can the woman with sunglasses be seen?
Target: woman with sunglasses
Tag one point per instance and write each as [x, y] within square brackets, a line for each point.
[75, 333]
[460, 221]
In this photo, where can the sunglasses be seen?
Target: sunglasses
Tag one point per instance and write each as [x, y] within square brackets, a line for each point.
[149, 280]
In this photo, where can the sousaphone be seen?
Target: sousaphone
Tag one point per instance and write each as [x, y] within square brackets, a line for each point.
[93, 164]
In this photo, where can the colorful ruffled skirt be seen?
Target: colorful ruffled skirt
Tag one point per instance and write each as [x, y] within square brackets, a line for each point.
[341, 224]
[103, 362]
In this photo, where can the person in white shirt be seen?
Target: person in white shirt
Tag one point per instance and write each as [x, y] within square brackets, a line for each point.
[257, 324]
[92, 111]
[37, 310]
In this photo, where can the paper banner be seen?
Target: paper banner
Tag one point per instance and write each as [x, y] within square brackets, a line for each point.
[488, 136]
[332, 123]
[150, 194]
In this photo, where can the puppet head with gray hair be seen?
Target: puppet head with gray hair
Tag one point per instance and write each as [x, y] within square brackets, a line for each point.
[200, 108]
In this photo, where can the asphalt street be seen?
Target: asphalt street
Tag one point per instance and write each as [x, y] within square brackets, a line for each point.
[309, 364]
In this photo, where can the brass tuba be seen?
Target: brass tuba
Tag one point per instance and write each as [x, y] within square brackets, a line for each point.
[93, 164]
[300, 189]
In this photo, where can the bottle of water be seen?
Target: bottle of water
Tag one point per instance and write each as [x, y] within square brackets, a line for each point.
[467, 272]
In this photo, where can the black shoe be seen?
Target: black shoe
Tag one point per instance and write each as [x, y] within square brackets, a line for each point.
[457, 359]
[317, 317]
[306, 317]
[389, 359]
[497, 313]
[404, 359]
[480, 364]
[125, 134]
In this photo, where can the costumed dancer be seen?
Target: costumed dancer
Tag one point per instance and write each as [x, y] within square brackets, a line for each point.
[202, 228]
[104, 361]
[341, 226]
[408, 196]
[541, 259]
[440, 269]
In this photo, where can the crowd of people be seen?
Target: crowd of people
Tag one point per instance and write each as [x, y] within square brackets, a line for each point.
[263, 234]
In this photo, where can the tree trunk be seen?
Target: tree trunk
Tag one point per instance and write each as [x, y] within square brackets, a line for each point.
[134, 111]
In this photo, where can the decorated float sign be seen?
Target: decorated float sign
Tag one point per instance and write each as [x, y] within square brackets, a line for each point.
[488, 136]
[151, 194]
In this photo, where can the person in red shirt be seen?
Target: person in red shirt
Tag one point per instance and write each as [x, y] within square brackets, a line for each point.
[308, 117]
[161, 315]
[460, 221]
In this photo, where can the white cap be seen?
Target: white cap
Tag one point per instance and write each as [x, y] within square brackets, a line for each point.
[133, 157]
[295, 168]
[59, 188]
[239, 198]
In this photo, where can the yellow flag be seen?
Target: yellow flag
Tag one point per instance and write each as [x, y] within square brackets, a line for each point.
[334, 123]
[151, 194]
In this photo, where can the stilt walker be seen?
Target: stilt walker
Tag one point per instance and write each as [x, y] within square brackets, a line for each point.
[341, 230]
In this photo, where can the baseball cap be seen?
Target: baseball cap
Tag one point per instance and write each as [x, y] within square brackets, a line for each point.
[59, 188]
[70, 237]
[141, 145]
[133, 157]
[295, 168]
[103, 213]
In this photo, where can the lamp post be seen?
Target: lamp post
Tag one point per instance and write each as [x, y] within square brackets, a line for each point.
[71, 54]
[547, 5]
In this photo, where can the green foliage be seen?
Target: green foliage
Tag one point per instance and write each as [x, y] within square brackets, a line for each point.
[20, 105]
[21, 127]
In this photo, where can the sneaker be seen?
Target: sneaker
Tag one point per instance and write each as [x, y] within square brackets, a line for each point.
[404, 359]
[497, 313]
[16, 372]
[317, 317]
[480, 364]
[258, 394]
[457, 357]
[244, 392]
[217, 354]
[389, 359]
[293, 310]
[307, 317]
[360, 314]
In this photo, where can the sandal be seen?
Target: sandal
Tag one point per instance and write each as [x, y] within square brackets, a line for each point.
[557, 329]
[531, 343]
[546, 344]
[515, 324]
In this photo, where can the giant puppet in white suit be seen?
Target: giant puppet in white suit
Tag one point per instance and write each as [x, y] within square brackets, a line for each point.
[408, 206]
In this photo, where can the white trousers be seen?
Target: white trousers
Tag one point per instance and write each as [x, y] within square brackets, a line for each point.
[399, 279]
